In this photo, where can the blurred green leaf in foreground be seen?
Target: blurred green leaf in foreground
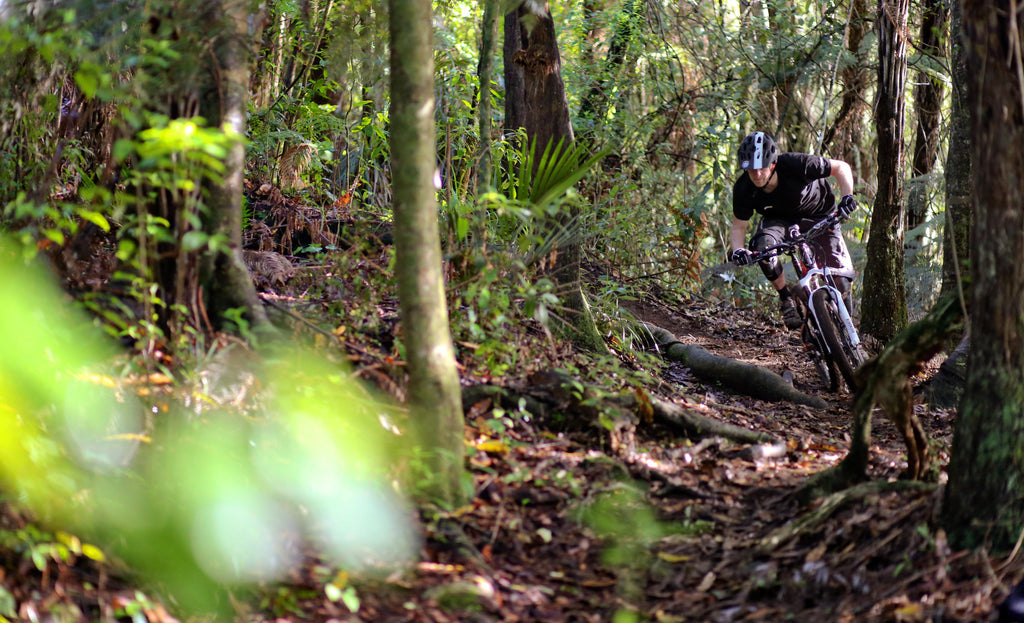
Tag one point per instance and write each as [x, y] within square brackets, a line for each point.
[198, 503]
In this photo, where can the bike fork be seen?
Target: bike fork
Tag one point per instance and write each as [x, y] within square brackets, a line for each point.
[837, 298]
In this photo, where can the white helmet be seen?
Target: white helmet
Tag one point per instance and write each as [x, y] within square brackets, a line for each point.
[757, 151]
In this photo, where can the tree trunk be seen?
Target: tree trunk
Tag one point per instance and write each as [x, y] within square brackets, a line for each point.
[886, 384]
[928, 101]
[547, 123]
[843, 137]
[959, 177]
[434, 394]
[984, 503]
[485, 72]
[884, 308]
[223, 276]
[594, 106]
[515, 89]
[946, 388]
[546, 113]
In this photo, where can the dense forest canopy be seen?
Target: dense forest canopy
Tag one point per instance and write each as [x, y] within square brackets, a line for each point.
[669, 88]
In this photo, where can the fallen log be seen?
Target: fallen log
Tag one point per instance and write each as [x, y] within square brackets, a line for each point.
[742, 377]
[561, 391]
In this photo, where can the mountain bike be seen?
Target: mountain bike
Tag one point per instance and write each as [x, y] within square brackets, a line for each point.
[827, 331]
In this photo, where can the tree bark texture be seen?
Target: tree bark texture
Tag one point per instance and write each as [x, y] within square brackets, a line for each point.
[959, 175]
[928, 102]
[223, 275]
[434, 397]
[515, 90]
[884, 309]
[546, 108]
[984, 501]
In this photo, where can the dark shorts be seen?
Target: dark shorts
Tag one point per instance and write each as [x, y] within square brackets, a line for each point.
[829, 246]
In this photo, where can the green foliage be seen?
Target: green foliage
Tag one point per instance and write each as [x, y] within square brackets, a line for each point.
[168, 161]
[627, 526]
[656, 212]
[499, 243]
[135, 608]
[244, 481]
[31, 57]
[42, 548]
[546, 179]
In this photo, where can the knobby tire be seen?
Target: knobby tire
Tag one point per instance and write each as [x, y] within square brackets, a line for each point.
[812, 344]
[825, 368]
[842, 353]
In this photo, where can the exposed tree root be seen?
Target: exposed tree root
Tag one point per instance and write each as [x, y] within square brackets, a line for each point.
[810, 522]
[694, 425]
[885, 383]
[620, 413]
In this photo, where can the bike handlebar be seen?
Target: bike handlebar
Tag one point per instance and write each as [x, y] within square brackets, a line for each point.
[815, 230]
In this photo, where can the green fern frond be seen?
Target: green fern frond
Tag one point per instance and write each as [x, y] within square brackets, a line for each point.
[557, 171]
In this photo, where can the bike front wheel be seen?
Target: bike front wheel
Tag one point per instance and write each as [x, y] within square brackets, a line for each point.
[822, 364]
[846, 357]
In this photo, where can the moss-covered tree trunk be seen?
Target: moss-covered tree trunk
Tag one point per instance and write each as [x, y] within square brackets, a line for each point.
[485, 72]
[223, 276]
[959, 176]
[434, 396]
[984, 501]
[884, 308]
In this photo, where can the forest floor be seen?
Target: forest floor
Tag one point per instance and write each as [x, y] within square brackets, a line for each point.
[565, 526]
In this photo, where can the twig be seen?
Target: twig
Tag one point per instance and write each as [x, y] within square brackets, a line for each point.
[331, 336]
[1013, 554]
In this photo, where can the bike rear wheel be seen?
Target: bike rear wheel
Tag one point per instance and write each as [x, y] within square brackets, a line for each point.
[846, 357]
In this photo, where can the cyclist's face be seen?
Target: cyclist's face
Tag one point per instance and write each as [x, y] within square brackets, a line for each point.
[760, 177]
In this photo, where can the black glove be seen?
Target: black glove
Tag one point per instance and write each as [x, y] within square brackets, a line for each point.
[846, 206]
[741, 257]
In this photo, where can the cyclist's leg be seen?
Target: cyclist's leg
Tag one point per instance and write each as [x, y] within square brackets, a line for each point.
[836, 255]
[771, 232]
[830, 250]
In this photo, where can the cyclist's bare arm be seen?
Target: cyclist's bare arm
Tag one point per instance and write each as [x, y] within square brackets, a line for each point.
[844, 176]
[738, 234]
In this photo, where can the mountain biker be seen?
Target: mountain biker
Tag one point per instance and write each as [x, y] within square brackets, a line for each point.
[789, 189]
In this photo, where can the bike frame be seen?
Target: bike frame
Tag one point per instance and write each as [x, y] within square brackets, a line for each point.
[812, 280]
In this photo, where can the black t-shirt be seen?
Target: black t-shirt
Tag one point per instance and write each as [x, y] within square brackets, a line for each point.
[803, 190]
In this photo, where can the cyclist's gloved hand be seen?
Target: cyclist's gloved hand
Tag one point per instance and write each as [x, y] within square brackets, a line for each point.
[846, 206]
[741, 257]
